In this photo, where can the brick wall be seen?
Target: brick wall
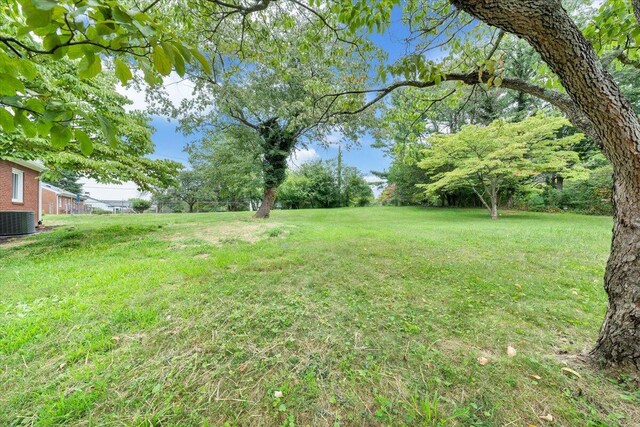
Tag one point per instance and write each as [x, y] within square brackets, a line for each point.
[67, 205]
[30, 190]
[52, 204]
[49, 201]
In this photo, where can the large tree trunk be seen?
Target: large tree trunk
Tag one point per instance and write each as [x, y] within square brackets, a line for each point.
[268, 199]
[549, 29]
[277, 143]
[619, 340]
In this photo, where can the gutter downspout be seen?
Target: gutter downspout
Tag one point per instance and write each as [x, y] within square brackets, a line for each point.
[39, 218]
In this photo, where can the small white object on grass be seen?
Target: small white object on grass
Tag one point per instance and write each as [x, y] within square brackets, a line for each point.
[277, 394]
[546, 417]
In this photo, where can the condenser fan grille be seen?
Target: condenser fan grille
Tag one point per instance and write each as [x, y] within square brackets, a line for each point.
[17, 222]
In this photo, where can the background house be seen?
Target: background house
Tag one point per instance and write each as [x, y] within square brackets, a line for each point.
[113, 206]
[56, 201]
[20, 186]
[94, 205]
[119, 206]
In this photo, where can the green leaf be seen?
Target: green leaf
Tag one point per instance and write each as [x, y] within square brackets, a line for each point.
[161, 60]
[60, 52]
[121, 16]
[168, 51]
[491, 66]
[28, 69]
[146, 30]
[108, 131]
[60, 136]
[86, 145]
[44, 127]
[75, 52]
[6, 120]
[28, 127]
[50, 41]
[186, 54]
[34, 104]
[90, 66]
[44, 4]
[178, 60]
[37, 18]
[202, 60]
[123, 73]
[10, 85]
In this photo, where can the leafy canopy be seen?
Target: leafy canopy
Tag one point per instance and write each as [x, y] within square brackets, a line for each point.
[88, 35]
[486, 158]
[95, 156]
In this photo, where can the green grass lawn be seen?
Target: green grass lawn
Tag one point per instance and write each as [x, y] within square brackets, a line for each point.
[373, 316]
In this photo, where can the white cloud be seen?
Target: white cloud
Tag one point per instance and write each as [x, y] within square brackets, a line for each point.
[125, 191]
[334, 138]
[302, 156]
[177, 88]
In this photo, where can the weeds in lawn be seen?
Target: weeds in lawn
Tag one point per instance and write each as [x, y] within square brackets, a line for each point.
[358, 317]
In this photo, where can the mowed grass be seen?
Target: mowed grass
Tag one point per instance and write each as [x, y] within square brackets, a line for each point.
[372, 316]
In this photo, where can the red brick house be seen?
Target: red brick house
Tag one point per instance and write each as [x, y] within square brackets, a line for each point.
[56, 201]
[20, 186]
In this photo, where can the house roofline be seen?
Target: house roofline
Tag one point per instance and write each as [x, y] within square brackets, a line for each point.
[57, 190]
[30, 164]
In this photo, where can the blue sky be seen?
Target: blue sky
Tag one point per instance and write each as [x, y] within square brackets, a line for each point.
[170, 143]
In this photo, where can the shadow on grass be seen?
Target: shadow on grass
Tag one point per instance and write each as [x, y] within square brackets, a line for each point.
[71, 238]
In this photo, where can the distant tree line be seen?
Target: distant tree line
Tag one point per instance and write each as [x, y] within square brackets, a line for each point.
[227, 175]
[325, 184]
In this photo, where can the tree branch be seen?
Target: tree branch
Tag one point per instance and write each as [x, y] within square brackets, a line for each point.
[239, 116]
[496, 44]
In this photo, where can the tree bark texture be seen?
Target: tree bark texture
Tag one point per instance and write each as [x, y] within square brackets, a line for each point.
[550, 30]
[494, 203]
[268, 199]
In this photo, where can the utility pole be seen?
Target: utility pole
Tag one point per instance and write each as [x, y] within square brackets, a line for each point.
[340, 175]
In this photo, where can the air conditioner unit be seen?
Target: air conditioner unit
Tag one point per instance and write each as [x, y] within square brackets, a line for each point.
[17, 222]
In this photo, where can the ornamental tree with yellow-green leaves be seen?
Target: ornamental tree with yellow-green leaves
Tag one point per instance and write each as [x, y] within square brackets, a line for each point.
[488, 159]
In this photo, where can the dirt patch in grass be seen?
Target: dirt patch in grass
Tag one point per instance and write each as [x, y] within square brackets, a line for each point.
[229, 233]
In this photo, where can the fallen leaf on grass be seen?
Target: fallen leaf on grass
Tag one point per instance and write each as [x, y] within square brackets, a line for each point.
[572, 372]
[483, 360]
[511, 351]
[547, 417]
[243, 367]
[536, 377]
[518, 285]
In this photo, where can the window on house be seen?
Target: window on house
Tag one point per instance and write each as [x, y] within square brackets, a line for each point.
[17, 181]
